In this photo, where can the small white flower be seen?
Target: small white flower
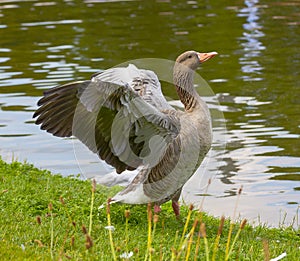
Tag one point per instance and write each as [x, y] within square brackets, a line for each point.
[23, 247]
[112, 228]
[101, 206]
[279, 257]
[126, 255]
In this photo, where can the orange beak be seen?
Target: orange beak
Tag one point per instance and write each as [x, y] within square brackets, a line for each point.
[203, 57]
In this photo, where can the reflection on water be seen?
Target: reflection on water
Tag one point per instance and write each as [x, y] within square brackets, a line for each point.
[250, 41]
[51, 43]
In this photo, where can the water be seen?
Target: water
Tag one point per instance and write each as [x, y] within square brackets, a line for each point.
[255, 78]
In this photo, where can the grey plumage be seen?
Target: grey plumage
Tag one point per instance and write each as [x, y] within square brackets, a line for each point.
[122, 115]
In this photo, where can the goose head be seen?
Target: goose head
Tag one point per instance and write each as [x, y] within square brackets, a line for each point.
[185, 66]
[192, 59]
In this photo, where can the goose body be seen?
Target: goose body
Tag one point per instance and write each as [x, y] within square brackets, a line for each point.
[122, 115]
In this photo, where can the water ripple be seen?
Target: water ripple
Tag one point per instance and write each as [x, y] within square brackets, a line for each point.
[51, 23]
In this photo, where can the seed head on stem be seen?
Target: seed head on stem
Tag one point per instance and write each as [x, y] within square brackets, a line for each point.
[108, 206]
[220, 229]
[88, 241]
[38, 220]
[243, 224]
[84, 230]
[61, 200]
[240, 190]
[203, 229]
[127, 213]
[93, 185]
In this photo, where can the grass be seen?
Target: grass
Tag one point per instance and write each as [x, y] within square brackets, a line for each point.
[49, 217]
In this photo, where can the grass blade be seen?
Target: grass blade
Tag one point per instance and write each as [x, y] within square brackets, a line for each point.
[92, 206]
[110, 231]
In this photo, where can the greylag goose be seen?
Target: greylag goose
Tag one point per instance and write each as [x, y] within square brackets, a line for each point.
[122, 115]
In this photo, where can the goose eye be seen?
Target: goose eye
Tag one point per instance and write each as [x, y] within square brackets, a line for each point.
[190, 56]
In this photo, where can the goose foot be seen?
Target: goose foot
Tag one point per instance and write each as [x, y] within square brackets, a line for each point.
[176, 208]
[156, 209]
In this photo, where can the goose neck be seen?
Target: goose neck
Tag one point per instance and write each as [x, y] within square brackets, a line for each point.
[184, 82]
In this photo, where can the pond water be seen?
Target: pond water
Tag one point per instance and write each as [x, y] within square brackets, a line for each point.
[255, 78]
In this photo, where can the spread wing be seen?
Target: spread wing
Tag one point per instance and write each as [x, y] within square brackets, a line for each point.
[144, 82]
[119, 114]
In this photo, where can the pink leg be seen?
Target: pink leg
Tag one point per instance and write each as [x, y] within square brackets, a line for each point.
[157, 208]
[176, 208]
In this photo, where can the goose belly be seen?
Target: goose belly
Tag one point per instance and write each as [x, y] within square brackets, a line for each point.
[177, 166]
[180, 161]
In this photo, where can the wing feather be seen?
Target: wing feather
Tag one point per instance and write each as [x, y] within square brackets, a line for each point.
[119, 114]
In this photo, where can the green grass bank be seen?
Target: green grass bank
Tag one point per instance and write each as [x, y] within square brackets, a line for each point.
[50, 217]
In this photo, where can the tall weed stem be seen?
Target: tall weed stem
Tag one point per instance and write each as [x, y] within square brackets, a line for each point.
[236, 237]
[110, 231]
[50, 207]
[149, 250]
[232, 224]
[188, 251]
[216, 244]
[203, 232]
[92, 205]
